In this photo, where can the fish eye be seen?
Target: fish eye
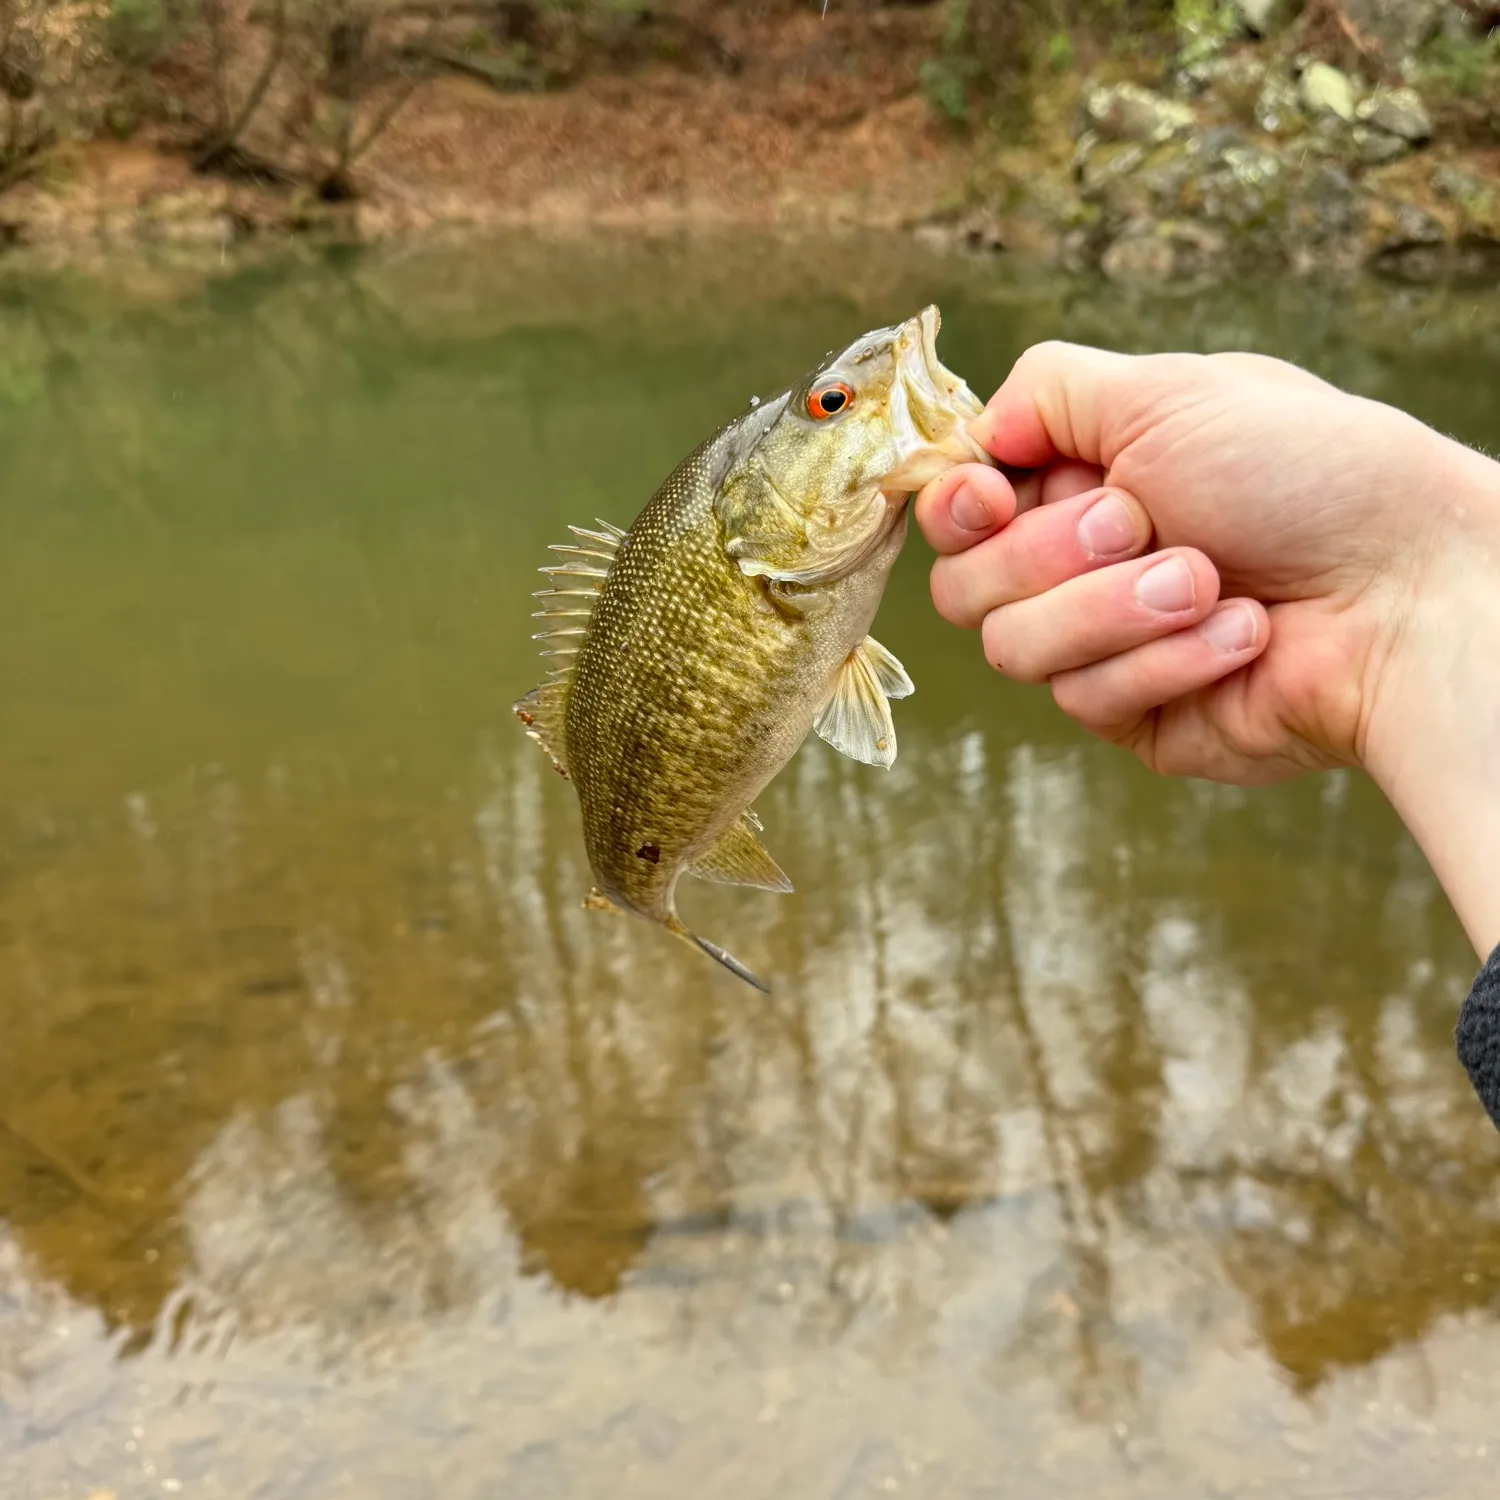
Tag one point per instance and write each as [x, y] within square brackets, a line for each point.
[828, 401]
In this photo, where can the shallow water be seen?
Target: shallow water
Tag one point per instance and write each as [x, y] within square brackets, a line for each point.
[1103, 1136]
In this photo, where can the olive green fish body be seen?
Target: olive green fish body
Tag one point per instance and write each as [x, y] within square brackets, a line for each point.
[701, 647]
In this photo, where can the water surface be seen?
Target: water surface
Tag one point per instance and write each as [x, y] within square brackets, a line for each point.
[1103, 1136]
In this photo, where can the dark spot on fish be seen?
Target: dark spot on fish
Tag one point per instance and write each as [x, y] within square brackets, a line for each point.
[624, 647]
[649, 852]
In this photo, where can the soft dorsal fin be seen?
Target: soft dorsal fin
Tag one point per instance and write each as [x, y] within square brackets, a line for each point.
[856, 720]
[739, 858]
[543, 711]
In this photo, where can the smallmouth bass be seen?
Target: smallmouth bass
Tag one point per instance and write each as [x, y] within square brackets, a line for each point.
[698, 649]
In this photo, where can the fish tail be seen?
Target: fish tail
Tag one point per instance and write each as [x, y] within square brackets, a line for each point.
[715, 952]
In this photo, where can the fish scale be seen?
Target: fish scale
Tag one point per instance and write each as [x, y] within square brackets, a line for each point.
[697, 650]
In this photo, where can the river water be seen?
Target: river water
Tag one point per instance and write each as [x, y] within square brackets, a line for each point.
[1103, 1136]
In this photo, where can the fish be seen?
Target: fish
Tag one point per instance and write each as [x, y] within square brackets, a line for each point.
[694, 652]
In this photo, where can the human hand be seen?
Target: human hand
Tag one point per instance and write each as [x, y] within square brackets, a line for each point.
[1232, 568]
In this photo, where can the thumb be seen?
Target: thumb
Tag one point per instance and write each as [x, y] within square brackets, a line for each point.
[1059, 401]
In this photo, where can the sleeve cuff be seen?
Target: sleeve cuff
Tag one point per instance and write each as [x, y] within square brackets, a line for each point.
[1478, 1037]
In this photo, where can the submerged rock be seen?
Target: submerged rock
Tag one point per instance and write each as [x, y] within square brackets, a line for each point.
[1127, 112]
[1398, 112]
[1326, 91]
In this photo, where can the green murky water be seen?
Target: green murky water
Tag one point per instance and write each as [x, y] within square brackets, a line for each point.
[1103, 1136]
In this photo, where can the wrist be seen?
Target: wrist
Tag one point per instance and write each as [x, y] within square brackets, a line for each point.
[1432, 741]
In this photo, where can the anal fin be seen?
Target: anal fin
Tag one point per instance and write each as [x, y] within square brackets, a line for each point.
[856, 720]
[739, 858]
[543, 711]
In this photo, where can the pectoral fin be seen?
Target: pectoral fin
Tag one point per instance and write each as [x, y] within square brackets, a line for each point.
[739, 858]
[856, 720]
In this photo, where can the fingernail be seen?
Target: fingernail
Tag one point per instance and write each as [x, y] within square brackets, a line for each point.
[969, 512]
[1232, 629]
[1167, 588]
[1107, 529]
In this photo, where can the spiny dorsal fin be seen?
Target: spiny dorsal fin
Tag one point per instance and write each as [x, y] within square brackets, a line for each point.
[856, 720]
[572, 604]
[543, 711]
[739, 858]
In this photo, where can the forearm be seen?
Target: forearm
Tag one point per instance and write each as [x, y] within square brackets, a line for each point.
[1436, 754]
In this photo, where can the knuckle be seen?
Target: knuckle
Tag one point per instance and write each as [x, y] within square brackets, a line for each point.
[949, 598]
[1071, 693]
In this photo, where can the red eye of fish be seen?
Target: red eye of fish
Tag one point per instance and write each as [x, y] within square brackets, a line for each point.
[828, 400]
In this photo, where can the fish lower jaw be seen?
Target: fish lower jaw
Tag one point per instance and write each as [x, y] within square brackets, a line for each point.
[931, 462]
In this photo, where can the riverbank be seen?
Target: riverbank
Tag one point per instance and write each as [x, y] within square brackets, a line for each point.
[1218, 149]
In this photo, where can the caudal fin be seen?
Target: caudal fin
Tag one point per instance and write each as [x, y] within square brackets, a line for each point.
[714, 951]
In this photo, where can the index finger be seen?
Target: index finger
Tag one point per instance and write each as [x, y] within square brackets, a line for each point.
[1055, 403]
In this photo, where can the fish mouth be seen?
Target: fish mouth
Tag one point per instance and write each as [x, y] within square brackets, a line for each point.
[924, 370]
[931, 409]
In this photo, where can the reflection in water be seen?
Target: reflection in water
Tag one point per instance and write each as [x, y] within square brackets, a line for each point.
[1010, 1131]
[1101, 1136]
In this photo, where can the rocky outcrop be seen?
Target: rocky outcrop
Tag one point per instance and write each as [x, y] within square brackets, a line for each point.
[1290, 133]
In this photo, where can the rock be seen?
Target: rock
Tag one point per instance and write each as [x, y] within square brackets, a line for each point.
[1278, 110]
[1235, 79]
[1126, 112]
[1398, 112]
[1328, 211]
[1375, 148]
[1264, 17]
[1142, 256]
[1399, 226]
[1233, 182]
[1159, 252]
[1477, 201]
[1104, 162]
[1326, 91]
[1398, 27]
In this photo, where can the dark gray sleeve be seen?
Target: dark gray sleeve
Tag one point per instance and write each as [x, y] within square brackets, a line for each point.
[1479, 1036]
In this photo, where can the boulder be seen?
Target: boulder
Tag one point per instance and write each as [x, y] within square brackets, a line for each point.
[1326, 91]
[1127, 112]
[1375, 147]
[1162, 251]
[1265, 17]
[1398, 112]
[1398, 27]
